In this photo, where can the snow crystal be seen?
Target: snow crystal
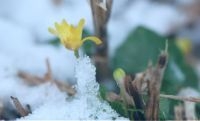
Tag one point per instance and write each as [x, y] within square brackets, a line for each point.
[85, 74]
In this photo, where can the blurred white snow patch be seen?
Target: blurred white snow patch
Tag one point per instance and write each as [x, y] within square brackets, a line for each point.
[18, 47]
[8, 80]
[162, 18]
[158, 17]
[33, 60]
[51, 104]
[38, 15]
[189, 92]
[189, 106]
[6, 66]
[13, 36]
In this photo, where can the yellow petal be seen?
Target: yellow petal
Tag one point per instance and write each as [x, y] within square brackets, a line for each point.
[79, 29]
[53, 31]
[64, 23]
[57, 25]
[81, 23]
[93, 38]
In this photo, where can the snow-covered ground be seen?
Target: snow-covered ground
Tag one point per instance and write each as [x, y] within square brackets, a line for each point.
[23, 27]
[86, 104]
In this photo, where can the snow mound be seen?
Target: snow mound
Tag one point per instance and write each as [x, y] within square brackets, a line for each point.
[86, 104]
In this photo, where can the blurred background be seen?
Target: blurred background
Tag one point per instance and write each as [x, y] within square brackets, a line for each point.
[25, 42]
[30, 19]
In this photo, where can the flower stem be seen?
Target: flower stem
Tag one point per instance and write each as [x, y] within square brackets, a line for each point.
[76, 53]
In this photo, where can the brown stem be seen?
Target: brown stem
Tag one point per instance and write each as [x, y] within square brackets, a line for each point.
[133, 91]
[154, 77]
[101, 13]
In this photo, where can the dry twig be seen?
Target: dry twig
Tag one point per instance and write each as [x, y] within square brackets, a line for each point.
[31, 79]
[111, 97]
[20, 109]
[65, 87]
[133, 91]
[154, 81]
[190, 99]
[35, 80]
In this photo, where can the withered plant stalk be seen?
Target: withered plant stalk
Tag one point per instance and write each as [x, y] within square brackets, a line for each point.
[154, 82]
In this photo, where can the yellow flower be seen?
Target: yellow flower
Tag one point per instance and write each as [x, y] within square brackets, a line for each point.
[71, 36]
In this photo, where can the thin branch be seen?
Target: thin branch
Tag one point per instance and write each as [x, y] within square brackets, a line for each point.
[31, 79]
[191, 99]
[179, 98]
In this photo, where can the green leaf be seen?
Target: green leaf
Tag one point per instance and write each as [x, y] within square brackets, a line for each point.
[144, 45]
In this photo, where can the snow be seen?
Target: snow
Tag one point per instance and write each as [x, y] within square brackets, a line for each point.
[48, 103]
[38, 15]
[17, 44]
[86, 104]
